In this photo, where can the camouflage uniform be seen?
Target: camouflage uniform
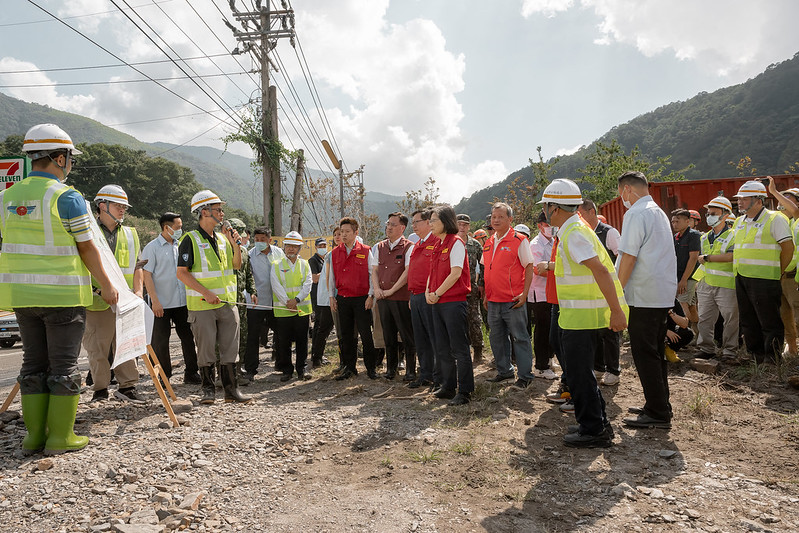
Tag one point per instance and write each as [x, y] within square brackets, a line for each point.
[475, 251]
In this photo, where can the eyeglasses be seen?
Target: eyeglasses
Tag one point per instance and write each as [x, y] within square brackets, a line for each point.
[416, 221]
[217, 209]
[390, 225]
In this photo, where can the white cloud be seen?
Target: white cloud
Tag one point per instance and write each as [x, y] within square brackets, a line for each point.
[735, 38]
[43, 94]
[568, 151]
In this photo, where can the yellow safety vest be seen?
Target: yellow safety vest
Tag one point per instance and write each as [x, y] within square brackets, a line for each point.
[126, 251]
[582, 304]
[292, 283]
[215, 273]
[756, 253]
[794, 229]
[717, 273]
[39, 265]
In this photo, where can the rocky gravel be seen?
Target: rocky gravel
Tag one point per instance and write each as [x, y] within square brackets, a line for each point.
[367, 455]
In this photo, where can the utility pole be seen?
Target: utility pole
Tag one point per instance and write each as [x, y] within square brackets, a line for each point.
[296, 206]
[259, 40]
[337, 164]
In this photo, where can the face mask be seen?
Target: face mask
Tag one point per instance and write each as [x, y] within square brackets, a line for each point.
[555, 231]
[321, 251]
[261, 246]
[547, 232]
[712, 220]
[627, 204]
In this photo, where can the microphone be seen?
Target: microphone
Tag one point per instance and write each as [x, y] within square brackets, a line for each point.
[228, 226]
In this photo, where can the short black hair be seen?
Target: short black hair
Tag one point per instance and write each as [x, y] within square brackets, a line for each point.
[680, 212]
[541, 218]
[633, 178]
[424, 213]
[402, 218]
[589, 205]
[447, 217]
[167, 218]
[262, 230]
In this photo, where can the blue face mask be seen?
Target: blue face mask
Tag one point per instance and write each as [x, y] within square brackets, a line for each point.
[177, 233]
[321, 251]
[261, 246]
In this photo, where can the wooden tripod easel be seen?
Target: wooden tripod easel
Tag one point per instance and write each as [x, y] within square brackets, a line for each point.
[155, 370]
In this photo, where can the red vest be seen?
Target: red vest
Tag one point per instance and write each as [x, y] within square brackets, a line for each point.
[440, 269]
[419, 267]
[552, 291]
[351, 271]
[503, 273]
[391, 265]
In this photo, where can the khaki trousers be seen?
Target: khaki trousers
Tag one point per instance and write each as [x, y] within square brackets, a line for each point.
[789, 311]
[100, 338]
[711, 301]
[216, 326]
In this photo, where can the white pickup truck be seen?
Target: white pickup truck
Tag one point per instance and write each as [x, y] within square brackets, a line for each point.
[9, 329]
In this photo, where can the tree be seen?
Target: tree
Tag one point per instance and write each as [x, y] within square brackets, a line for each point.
[323, 199]
[609, 161]
[419, 198]
[744, 167]
[523, 197]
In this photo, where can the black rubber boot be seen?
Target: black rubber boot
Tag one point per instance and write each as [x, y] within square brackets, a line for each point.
[209, 391]
[230, 385]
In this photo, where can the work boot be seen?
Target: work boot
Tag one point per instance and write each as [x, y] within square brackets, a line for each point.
[34, 397]
[209, 391]
[230, 385]
[61, 410]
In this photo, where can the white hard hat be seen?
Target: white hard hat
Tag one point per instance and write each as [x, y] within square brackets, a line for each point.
[112, 193]
[562, 191]
[751, 188]
[794, 191]
[292, 237]
[522, 228]
[204, 198]
[721, 202]
[45, 138]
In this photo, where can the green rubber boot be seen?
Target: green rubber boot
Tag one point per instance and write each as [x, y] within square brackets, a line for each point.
[60, 421]
[34, 413]
[34, 396]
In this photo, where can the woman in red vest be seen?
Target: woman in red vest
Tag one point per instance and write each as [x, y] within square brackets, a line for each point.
[447, 289]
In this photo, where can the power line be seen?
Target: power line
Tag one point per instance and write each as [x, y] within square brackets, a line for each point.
[164, 118]
[115, 82]
[112, 54]
[92, 67]
[72, 17]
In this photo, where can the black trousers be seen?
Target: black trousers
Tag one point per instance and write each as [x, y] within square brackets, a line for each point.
[555, 334]
[162, 329]
[352, 315]
[647, 329]
[451, 331]
[607, 350]
[395, 316]
[539, 319]
[323, 325]
[589, 406]
[259, 320]
[759, 317]
[291, 330]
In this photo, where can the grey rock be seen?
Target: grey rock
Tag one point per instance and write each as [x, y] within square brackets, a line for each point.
[145, 516]
[705, 366]
[749, 525]
[191, 501]
[181, 406]
[139, 528]
[162, 497]
[667, 454]
[105, 526]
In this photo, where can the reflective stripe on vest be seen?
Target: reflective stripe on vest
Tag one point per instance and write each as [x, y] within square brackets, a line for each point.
[756, 253]
[582, 304]
[292, 281]
[126, 251]
[208, 270]
[794, 226]
[40, 265]
[717, 273]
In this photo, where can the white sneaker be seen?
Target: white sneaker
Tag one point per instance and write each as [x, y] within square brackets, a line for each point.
[544, 374]
[610, 379]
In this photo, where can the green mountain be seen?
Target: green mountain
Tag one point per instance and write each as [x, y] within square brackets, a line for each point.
[758, 118]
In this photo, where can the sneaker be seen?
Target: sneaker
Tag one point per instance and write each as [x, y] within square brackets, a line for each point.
[545, 374]
[567, 407]
[520, 384]
[99, 395]
[578, 440]
[560, 396]
[610, 379]
[129, 395]
[499, 378]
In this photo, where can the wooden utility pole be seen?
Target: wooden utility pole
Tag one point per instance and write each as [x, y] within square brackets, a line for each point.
[296, 206]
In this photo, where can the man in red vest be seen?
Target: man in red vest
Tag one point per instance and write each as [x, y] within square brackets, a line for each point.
[508, 273]
[349, 280]
[390, 281]
[421, 312]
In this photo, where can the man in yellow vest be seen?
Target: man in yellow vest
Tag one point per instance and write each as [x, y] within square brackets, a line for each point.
[591, 299]
[46, 258]
[715, 290]
[291, 297]
[206, 261]
[763, 248]
[111, 202]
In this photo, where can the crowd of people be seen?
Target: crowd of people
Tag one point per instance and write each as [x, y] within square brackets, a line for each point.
[417, 304]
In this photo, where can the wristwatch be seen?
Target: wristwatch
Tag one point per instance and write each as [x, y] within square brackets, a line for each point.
[297, 298]
[705, 256]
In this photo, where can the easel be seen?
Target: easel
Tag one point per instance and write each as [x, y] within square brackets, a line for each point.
[155, 370]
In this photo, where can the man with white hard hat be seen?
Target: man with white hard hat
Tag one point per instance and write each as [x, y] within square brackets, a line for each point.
[291, 297]
[111, 203]
[206, 261]
[763, 249]
[46, 258]
[591, 299]
[715, 290]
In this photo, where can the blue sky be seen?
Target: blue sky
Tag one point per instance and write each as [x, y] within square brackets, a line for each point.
[456, 89]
